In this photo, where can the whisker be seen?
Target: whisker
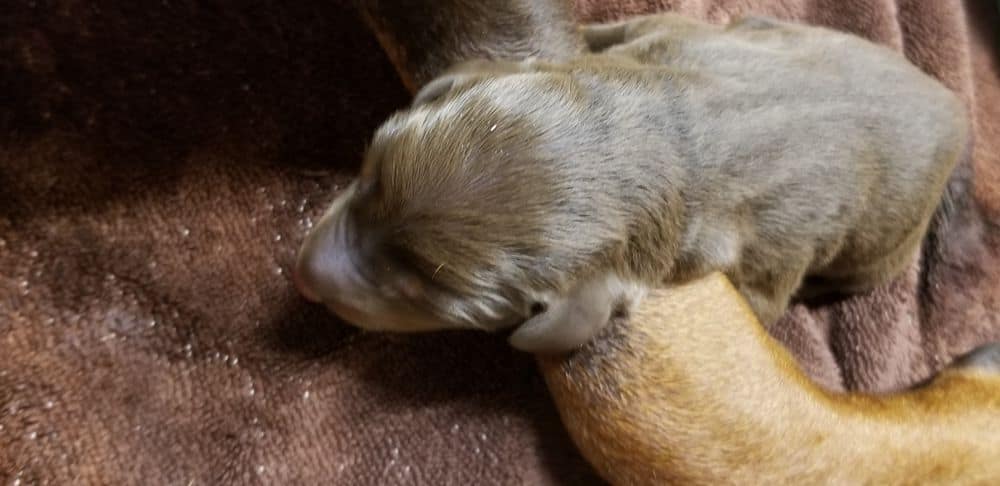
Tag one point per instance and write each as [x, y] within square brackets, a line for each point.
[436, 270]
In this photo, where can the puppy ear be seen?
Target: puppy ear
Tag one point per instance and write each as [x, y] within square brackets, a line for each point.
[469, 70]
[434, 89]
[568, 321]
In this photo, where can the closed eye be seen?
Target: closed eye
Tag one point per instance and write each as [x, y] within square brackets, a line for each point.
[537, 308]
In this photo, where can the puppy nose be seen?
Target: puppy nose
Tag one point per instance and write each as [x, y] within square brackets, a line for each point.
[314, 272]
[324, 269]
[302, 284]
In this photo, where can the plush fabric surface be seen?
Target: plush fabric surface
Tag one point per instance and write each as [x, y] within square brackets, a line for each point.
[159, 164]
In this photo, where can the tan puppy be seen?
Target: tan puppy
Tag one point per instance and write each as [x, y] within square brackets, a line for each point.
[692, 390]
[549, 196]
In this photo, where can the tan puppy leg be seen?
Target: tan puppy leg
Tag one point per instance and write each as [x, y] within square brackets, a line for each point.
[692, 390]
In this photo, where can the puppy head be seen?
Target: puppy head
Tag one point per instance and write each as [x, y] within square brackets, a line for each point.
[468, 214]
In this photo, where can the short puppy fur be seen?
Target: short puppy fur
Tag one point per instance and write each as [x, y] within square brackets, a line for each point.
[547, 196]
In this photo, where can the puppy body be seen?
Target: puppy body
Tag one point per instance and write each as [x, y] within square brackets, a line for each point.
[764, 150]
[692, 390]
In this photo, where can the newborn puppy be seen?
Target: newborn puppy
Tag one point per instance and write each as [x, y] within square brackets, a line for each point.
[548, 196]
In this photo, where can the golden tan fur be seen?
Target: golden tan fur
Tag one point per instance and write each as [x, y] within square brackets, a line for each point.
[693, 390]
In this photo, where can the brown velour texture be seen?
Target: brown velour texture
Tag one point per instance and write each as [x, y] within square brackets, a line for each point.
[159, 164]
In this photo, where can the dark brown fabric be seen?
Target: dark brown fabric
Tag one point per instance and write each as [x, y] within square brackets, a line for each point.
[159, 164]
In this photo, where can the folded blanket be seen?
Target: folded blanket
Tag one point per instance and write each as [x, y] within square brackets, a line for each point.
[159, 166]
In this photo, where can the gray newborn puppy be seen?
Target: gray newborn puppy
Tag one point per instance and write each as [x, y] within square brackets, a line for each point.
[545, 197]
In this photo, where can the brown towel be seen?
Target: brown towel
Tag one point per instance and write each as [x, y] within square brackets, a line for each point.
[159, 165]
